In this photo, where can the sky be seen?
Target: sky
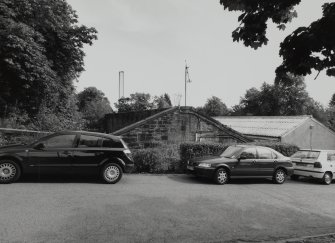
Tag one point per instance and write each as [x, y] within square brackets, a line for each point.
[151, 39]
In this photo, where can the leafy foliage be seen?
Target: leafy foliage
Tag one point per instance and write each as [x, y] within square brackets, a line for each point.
[214, 107]
[142, 101]
[307, 48]
[311, 47]
[332, 101]
[284, 98]
[40, 56]
[162, 159]
[93, 105]
[254, 17]
[162, 102]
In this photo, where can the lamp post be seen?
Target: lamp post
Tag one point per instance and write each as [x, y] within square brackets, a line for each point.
[187, 79]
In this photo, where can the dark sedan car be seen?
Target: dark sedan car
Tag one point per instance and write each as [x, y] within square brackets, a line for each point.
[243, 161]
[68, 152]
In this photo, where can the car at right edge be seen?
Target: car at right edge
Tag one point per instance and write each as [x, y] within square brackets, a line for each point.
[314, 163]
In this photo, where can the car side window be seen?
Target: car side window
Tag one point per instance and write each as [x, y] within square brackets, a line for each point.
[331, 156]
[87, 141]
[60, 141]
[264, 153]
[249, 153]
[110, 143]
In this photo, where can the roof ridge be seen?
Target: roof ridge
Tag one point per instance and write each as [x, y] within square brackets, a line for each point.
[145, 120]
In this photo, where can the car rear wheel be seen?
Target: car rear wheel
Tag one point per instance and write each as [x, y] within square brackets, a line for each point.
[279, 176]
[327, 178]
[9, 171]
[111, 173]
[221, 176]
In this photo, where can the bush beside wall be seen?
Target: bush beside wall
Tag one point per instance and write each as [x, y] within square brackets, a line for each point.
[162, 159]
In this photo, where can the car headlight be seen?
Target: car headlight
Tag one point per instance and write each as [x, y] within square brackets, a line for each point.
[205, 165]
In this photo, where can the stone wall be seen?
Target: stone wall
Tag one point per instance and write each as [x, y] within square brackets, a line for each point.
[175, 127]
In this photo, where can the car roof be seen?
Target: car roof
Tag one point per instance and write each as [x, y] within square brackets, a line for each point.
[96, 134]
[250, 146]
[318, 150]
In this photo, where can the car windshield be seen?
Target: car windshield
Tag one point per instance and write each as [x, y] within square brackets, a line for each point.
[231, 151]
[306, 154]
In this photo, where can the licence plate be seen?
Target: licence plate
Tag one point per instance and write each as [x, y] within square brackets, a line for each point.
[189, 167]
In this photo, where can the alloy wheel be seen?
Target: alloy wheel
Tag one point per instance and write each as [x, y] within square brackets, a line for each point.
[112, 173]
[280, 176]
[7, 171]
[221, 176]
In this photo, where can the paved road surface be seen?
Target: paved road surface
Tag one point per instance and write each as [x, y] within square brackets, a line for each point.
[163, 208]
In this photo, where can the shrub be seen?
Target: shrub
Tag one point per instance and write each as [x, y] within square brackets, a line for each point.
[283, 148]
[191, 150]
[164, 159]
[3, 140]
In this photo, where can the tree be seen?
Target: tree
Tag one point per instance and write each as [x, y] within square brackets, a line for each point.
[332, 101]
[94, 106]
[40, 55]
[285, 97]
[136, 102]
[307, 48]
[162, 102]
[214, 107]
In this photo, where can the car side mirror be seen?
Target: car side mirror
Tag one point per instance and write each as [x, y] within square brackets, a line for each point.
[39, 146]
[242, 157]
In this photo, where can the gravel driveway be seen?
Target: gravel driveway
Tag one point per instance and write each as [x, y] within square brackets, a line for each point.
[163, 208]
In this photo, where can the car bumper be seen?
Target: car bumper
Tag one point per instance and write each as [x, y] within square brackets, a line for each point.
[201, 171]
[128, 168]
[308, 173]
[290, 171]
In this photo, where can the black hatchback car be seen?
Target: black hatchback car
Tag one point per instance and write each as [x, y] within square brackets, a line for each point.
[68, 152]
[243, 161]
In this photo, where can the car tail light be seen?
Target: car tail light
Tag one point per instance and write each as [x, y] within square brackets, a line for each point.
[128, 154]
[317, 165]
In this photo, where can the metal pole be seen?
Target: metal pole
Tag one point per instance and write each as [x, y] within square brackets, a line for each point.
[119, 84]
[185, 81]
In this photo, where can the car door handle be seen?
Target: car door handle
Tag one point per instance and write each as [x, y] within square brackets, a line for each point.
[67, 153]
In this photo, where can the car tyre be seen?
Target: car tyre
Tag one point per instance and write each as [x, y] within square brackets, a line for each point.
[294, 177]
[221, 176]
[327, 178]
[10, 171]
[279, 176]
[111, 173]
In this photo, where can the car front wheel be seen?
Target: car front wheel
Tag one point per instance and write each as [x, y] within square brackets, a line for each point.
[279, 176]
[221, 176]
[9, 171]
[111, 173]
[327, 178]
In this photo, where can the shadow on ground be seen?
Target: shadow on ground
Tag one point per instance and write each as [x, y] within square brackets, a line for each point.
[191, 179]
[67, 178]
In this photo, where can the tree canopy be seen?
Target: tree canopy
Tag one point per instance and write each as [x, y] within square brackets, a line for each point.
[306, 49]
[143, 101]
[279, 100]
[40, 55]
[94, 106]
[214, 107]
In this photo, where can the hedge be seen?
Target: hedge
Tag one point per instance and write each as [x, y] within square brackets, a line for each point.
[162, 159]
[191, 150]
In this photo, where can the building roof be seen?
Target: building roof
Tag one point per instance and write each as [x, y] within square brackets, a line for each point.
[267, 126]
[188, 110]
